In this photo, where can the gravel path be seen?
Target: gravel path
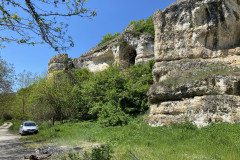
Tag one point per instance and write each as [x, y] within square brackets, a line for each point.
[10, 146]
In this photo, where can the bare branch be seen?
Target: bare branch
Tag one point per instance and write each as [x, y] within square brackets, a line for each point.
[34, 18]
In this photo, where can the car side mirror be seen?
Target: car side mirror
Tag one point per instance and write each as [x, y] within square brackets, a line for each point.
[21, 125]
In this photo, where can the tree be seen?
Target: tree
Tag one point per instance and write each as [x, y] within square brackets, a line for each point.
[56, 92]
[6, 76]
[24, 81]
[6, 82]
[24, 20]
[6, 100]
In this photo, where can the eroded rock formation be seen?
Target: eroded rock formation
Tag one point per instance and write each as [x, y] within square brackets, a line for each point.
[196, 74]
[124, 50]
[197, 29]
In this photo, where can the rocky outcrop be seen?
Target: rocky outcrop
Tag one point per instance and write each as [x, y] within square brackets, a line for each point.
[197, 29]
[59, 62]
[196, 74]
[124, 50]
[202, 110]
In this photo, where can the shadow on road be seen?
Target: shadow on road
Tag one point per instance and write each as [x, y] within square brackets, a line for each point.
[10, 146]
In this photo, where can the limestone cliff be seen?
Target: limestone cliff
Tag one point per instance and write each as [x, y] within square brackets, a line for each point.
[196, 74]
[197, 52]
[124, 50]
[197, 29]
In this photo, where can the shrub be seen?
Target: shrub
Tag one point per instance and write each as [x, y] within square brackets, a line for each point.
[111, 96]
[103, 152]
[143, 26]
[140, 27]
[108, 37]
[112, 115]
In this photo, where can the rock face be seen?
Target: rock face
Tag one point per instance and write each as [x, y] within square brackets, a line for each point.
[124, 50]
[197, 29]
[196, 74]
[59, 62]
[201, 110]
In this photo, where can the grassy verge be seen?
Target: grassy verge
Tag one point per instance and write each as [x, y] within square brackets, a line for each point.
[137, 139]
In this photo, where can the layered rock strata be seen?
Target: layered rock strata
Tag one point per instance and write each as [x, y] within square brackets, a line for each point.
[197, 29]
[124, 50]
[196, 74]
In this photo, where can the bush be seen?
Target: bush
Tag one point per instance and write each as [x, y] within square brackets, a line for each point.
[113, 95]
[108, 37]
[140, 27]
[112, 115]
[143, 26]
[103, 152]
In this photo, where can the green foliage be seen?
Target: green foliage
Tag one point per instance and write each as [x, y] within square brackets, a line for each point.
[35, 20]
[114, 95]
[184, 126]
[143, 26]
[140, 27]
[6, 109]
[57, 93]
[108, 37]
[6, 76]
[15, 127]
[72, 156]
[103, 152]
[111, 97]
[112, 115]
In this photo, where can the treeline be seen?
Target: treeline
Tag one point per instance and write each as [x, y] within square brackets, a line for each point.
[111, 97]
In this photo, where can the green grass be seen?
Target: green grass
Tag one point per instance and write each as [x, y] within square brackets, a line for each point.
[137, 139]
[15, 127]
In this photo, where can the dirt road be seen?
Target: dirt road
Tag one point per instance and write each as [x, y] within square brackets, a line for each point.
[10, 146]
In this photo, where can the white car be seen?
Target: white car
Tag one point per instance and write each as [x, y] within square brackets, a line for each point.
[28, 128]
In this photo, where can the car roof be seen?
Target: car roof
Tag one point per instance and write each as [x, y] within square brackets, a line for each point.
[28, 122]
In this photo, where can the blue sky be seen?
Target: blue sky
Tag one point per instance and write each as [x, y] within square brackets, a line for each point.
[113, 16]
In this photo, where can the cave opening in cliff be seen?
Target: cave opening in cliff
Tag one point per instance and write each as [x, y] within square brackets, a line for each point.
[127, 55]
[131, 56]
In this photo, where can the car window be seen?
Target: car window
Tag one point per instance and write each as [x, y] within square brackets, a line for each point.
[29, 124]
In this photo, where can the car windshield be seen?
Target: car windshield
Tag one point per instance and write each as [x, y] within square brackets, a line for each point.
[29, 124]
